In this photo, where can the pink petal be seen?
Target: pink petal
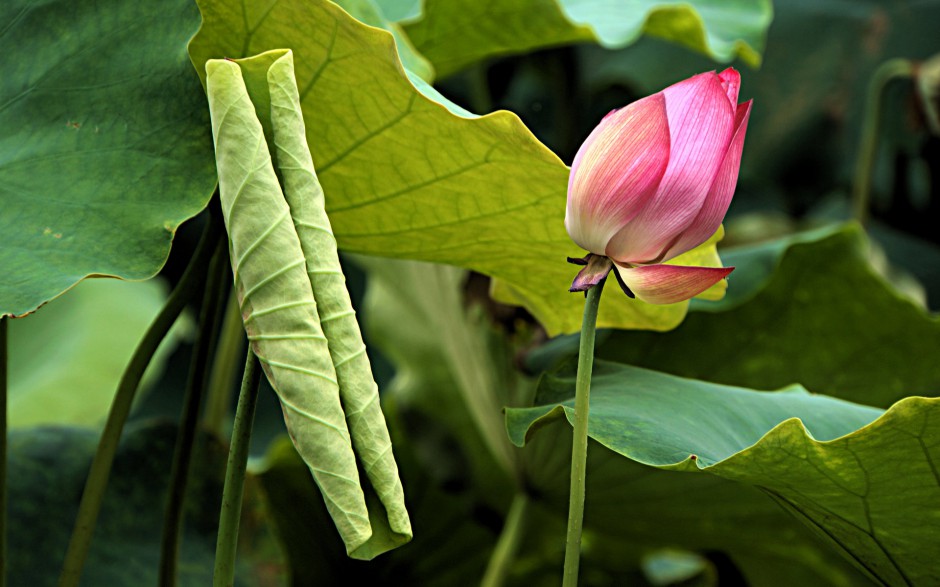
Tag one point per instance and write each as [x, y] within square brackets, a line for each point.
[668, 284]
[617, 171]
[731, 82]
[719, 196]
[701, 123]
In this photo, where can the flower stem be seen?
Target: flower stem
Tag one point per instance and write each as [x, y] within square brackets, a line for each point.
[580, 443]
[505, 551]
[235, 475]
[4, 358]
[224, 367]
[865, 164]
[187, 288]
[192, 401]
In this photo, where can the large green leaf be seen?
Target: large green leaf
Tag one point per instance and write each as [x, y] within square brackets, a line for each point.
[825, 319]
[863, 478]
[47, 471]
[449, 361]
[406, 177]
[454, 34]
[66, 359]
[632, 509]
[105, 147]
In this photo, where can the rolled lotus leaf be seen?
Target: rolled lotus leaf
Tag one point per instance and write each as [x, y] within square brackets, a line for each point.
[357, 388]
[277, 301]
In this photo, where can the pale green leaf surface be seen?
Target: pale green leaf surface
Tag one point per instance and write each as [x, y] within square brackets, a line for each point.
[400, 10]
[358, 390]
[406, 177]
[67, 358]
[863, 478]
[456, 33]
[277, 301]
[105, 148]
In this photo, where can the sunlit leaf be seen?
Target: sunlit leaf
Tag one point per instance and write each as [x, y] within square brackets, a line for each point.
[105, 147]
[406, 177]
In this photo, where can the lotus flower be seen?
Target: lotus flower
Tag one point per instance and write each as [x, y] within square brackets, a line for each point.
[654, 180]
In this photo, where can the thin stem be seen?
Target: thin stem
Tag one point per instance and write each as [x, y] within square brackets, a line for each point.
[505, 551]
[871, 129]
[481, 99]
[4, 358]
[223, 367]
[186, 439]
[234, 487]
[187, 288]
[579, 445]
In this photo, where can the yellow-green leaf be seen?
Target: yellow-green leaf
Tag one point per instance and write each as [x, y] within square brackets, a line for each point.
[406, 176]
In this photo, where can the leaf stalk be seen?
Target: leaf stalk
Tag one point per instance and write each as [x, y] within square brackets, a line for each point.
[4, 376]
[192, 402]
[96, 484]
[871, 131]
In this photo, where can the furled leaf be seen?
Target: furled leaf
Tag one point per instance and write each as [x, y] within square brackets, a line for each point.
[358, 390]
[277, 301]
[105, 147]
[47, 471]
[406, 177]
[67, 358]
[862, 477]
[457, 33]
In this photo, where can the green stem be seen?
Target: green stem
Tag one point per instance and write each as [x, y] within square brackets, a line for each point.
[580, 443]
[505, 552]
[4, 358]
[223, 367]
[235, 475]
[192, 401]
[871, 129]
[187, 288]
[481, 99]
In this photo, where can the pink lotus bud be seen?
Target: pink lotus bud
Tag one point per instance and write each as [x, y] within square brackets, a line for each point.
[654, 180]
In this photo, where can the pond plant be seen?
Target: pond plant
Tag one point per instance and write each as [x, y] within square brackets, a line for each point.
[288, 294]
